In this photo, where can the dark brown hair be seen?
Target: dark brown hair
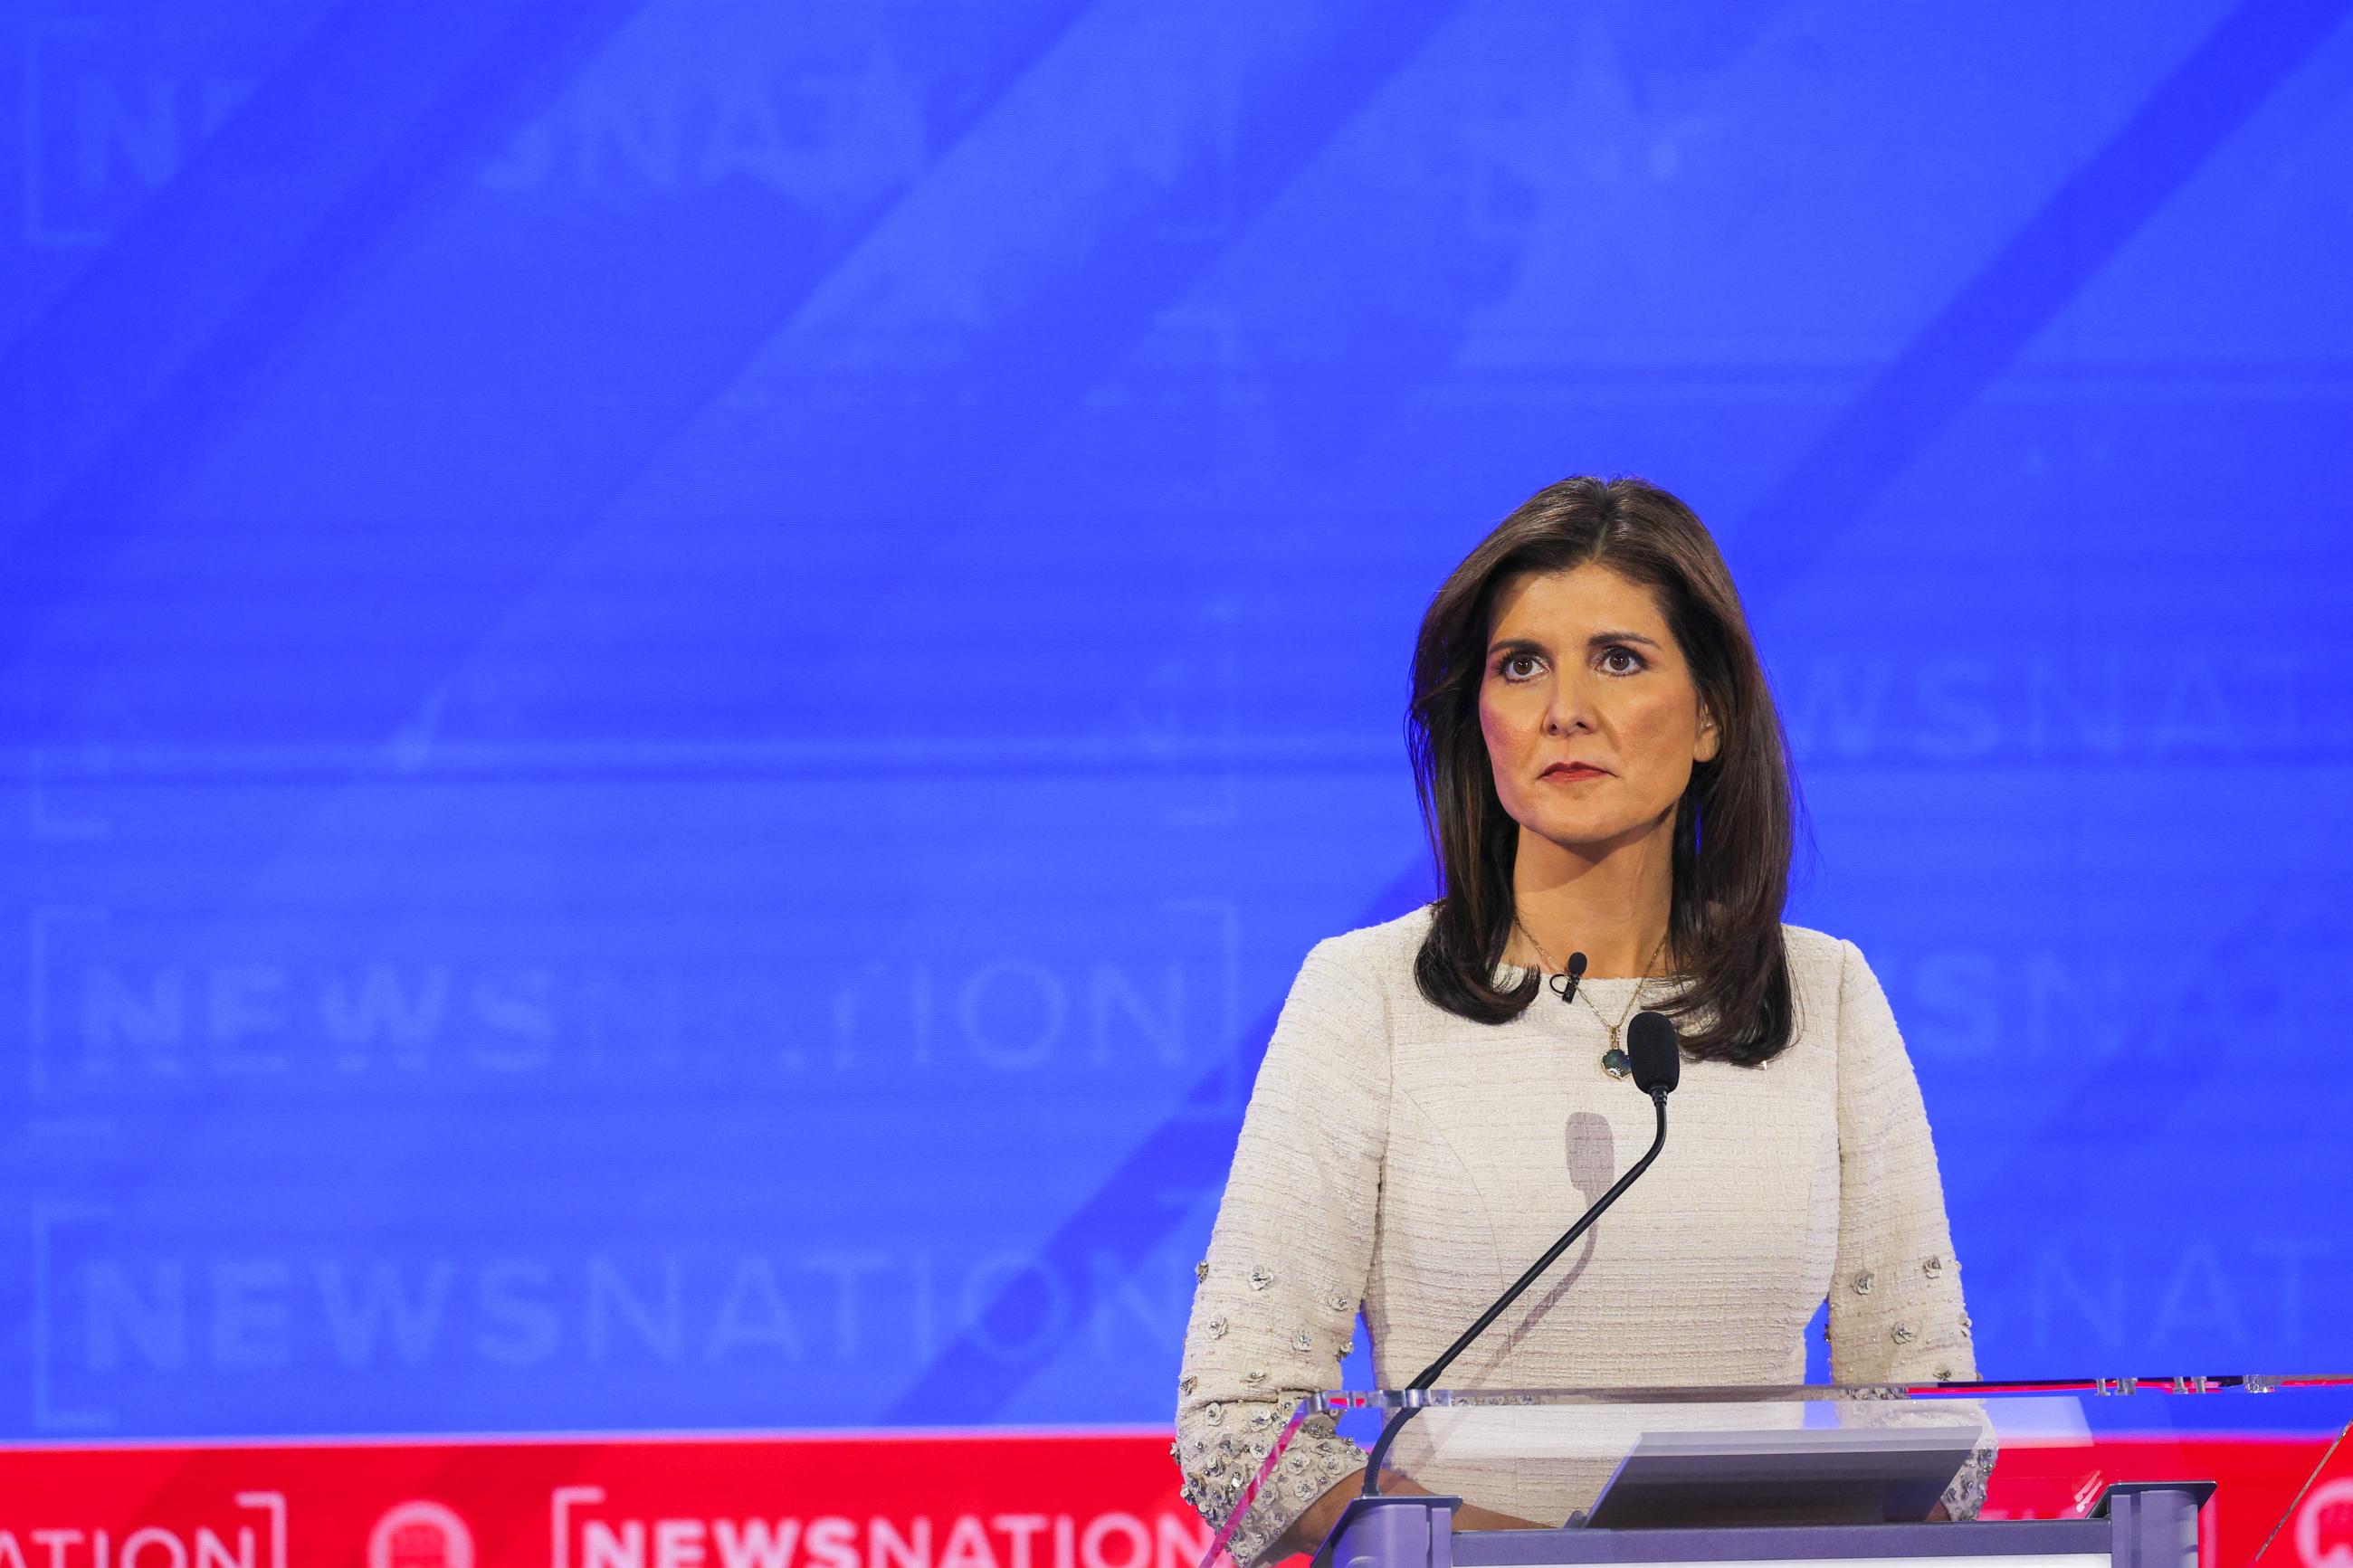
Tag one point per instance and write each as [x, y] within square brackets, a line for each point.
[1734, 827]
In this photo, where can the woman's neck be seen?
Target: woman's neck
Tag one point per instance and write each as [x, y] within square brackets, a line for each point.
[1613, 905]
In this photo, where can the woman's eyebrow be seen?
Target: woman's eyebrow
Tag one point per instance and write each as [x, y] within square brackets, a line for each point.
[1598, 639]
[1517, 645]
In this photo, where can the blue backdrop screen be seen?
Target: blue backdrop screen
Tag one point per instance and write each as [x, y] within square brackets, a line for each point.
[682, 678]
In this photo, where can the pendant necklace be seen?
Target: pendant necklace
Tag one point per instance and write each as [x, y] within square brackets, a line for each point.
[1614, 1061]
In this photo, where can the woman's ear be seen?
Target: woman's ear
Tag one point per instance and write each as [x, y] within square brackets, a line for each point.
[1711, 738]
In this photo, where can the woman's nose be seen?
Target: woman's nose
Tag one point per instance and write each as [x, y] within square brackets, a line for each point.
[1571, 707]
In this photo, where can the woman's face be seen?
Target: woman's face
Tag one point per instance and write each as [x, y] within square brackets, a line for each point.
[1592, 722]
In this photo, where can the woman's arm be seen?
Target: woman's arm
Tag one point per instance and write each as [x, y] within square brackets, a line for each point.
[1287, 1262]
[1895, 1308]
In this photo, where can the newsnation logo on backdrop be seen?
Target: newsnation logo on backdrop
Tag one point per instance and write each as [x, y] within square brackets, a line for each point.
[969, 1500]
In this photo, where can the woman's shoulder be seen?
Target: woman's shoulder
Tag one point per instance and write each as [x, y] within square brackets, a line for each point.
[1836, 990]
[1377, 951]
[1817, 972]
[1814, 955]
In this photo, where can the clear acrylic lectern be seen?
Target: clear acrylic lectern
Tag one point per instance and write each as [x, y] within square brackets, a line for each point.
[2129, 1472]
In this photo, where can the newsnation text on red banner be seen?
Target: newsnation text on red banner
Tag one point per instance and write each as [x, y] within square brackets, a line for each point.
[965, 1500]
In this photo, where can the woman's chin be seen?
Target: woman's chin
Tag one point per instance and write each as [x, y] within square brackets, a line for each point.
[1594, 834]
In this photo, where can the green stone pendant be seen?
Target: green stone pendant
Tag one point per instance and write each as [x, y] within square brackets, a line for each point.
[1615, 1063]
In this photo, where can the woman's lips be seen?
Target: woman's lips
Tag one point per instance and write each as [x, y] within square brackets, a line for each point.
[1570, 772]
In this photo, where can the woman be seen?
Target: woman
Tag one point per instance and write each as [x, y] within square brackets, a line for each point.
[1601, 771]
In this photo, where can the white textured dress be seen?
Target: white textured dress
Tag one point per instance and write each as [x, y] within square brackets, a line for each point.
[1396, 1155]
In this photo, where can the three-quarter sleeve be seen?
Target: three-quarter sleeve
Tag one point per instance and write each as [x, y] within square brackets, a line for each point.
[1277, 1295]
[1896, 1311]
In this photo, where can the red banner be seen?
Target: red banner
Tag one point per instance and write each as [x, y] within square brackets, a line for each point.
[2257, 1481]
[981, 1500]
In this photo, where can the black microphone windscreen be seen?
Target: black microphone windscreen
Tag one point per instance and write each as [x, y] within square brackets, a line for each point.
[1658, 1059]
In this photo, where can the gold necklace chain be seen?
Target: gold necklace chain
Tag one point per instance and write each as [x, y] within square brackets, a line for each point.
[1614, 1060]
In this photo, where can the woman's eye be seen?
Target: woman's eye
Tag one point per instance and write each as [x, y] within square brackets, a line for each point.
[1511, 666]
[1620, 660]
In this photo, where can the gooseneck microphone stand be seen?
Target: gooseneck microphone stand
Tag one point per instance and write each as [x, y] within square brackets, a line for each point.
[1657, 1067]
